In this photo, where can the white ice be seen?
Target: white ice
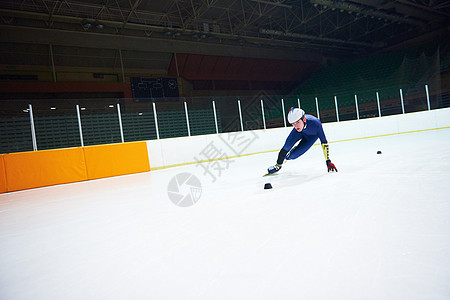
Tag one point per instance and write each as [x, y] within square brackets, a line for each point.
[377, 229]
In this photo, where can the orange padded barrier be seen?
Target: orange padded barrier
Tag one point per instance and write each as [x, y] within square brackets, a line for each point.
[116, 159]
[27, 170]
[2, 175]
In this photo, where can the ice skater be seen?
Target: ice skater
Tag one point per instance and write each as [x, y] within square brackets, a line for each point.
[307, 129]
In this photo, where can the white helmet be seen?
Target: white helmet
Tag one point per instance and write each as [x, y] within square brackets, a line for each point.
[295, 114]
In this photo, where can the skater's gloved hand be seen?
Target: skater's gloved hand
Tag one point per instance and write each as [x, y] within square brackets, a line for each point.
[274, 169]
[331, 166]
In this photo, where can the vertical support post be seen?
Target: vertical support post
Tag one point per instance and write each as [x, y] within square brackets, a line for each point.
[357, 108]
[263, 116]
[215, 116]
[180, 82]
[337, 109]
[298, 101]
[240, 114]
[121, 65]
[79, 125]
[187, 118]
[378, 103]
[403, 104]
[156, 120]
[33, 131]
[53, 62]
[120, 122]
[428, 96]
[176, 64]
[317, 108]
[284, 113]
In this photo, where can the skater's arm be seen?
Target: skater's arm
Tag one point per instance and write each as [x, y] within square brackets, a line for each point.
[326, 152]
[321, 135]
[331, 167]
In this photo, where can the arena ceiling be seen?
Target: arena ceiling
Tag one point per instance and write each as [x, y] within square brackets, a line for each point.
[334, 27]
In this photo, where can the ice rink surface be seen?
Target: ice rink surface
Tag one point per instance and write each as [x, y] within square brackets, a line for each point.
[377, 229]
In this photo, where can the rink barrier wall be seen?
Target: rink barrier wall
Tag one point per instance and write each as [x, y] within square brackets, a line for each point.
[116, 159]
[181, 151]
[3, 188]
[381, 126]
[26, 170]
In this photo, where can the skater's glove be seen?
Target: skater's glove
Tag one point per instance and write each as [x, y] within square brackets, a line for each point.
[274, 169]
[331, 166]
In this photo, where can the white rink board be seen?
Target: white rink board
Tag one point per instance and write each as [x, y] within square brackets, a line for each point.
[185, 150]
